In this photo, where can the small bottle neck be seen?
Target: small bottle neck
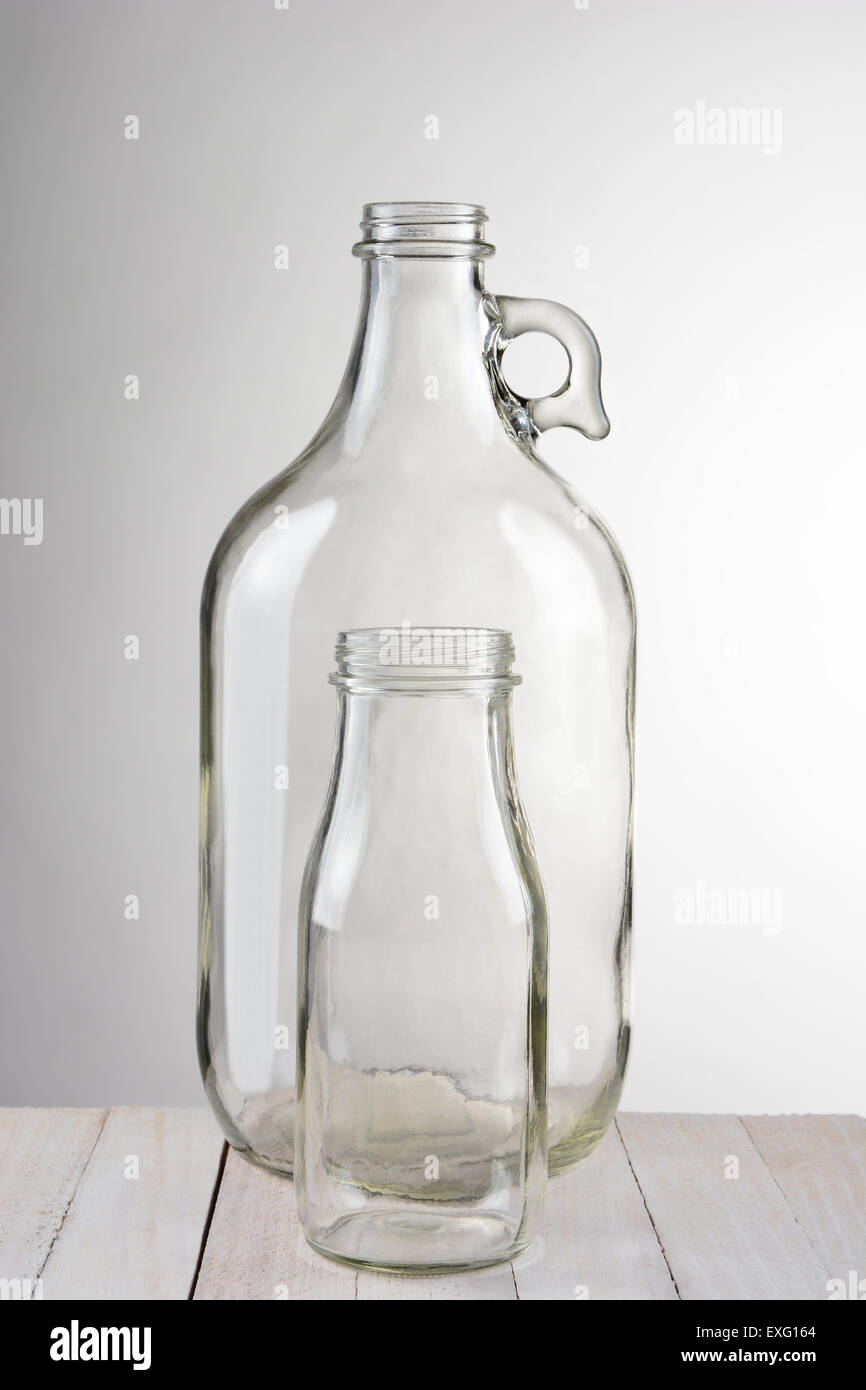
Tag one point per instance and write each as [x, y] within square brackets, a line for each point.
[402, 749]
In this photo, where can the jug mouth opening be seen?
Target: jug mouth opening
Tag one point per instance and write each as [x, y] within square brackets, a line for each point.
[411, 659]
[435, 230]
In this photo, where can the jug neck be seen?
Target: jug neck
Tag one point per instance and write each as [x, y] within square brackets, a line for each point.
[419, 343]
[422, 326]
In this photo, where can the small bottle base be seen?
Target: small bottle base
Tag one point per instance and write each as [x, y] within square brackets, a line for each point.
[419, 1243]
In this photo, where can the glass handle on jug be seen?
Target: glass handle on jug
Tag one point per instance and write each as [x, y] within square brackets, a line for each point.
[578, 402]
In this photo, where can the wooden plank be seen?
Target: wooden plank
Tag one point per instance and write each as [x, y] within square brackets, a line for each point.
[138, 1236]
[819, 1162]
[724, 1238]
[596, 1239]
[479, 1285]
[43, 1154]
[255, 1248]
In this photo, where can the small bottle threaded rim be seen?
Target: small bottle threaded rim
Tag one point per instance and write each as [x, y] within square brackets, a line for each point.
[412, 655]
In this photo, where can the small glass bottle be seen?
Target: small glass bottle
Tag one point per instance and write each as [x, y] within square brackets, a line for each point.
[422, 1030]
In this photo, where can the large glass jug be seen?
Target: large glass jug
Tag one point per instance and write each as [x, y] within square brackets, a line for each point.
[422, 497]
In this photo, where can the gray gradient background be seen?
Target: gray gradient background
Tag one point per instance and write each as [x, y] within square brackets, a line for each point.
[742, 519]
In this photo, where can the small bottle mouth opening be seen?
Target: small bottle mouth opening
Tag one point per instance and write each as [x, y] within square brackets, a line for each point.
[410, 658]
[423, 229]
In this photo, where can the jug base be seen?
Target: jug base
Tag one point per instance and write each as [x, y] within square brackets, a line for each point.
[566, 1154]
[577, 1145]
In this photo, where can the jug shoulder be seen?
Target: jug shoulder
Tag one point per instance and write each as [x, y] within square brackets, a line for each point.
[420, 507]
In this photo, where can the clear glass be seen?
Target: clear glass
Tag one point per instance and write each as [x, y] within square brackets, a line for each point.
[421, 1122]
[423, 497]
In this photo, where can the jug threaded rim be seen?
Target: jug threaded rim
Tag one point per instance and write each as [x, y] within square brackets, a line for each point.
[423, 229]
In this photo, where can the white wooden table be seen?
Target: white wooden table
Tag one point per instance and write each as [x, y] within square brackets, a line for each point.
[148, 1204]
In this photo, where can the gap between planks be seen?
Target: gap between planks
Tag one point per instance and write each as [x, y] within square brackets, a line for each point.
[131, 1224]
[44, 1154]
[728, 1228]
